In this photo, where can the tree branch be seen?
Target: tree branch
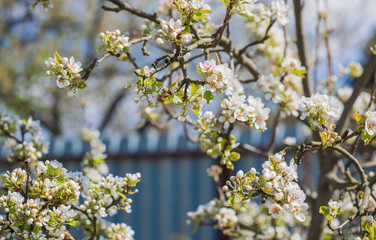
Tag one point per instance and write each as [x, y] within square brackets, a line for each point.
[359, 85]
[302, 49]
[241, 58]
[354, 161]
[124, 6]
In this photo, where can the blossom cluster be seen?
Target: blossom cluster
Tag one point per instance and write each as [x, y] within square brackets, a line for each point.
[41, 200]
[120, 231]
[46, 203]
[218, 77]
[172, 31]
[276, 181]
[258, 12]
[329, 138]
[214, 143]
[101, 196]
[272, 87]
[370, 123]
[353, 69]
[325, 109]
[147, 86]
[253, 114]
[215, 209]
[197, 9]
[115, 43]
[68, 72]
[367, 122]
[23, 139]
[93, 164]
[43, 204]
[284, 90]
[245, 220]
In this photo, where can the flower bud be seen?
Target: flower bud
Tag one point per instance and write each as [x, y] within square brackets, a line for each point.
[240, 174]
[187, 38]
[253, 171]
[159, 41]
[165, 27]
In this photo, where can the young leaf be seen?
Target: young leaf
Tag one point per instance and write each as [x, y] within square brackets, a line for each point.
[324, 210]
[357, 117]
[73, 223]
[208, 95]
[231, 200]
[100, 47]
[234, 156]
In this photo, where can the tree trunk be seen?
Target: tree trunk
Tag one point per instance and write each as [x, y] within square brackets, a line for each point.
[328, 167]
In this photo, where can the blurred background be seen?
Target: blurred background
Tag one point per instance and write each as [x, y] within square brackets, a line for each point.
[174, 179]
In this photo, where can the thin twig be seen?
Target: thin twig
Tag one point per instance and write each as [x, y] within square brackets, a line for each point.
[261, 40]
[219, 33]
[354, 161]
[124, 6]
[328, 32]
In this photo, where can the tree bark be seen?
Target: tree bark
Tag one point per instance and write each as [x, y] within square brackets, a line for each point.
[328, 167]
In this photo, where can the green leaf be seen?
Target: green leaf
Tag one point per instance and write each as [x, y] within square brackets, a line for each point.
[366, 138]
[36, 229]
[168, 99]
[26, 227]
[266, 211]
[18, 223]
[208, 95]
[173, 85]
[82, 85]
[357, 117]
[206, 12]
[322, 136]
[310, 120]
[58, 58]
[177, 4]
[100, 47]
[194, 89]
[366, 227]
[175, 64]
[226, 2]
[324, 210]
[299, 72]
[73, 223]
[234, 156]
[372, 232]
[195, 110]
[200, 16]
[121, 194]
[231, 200]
